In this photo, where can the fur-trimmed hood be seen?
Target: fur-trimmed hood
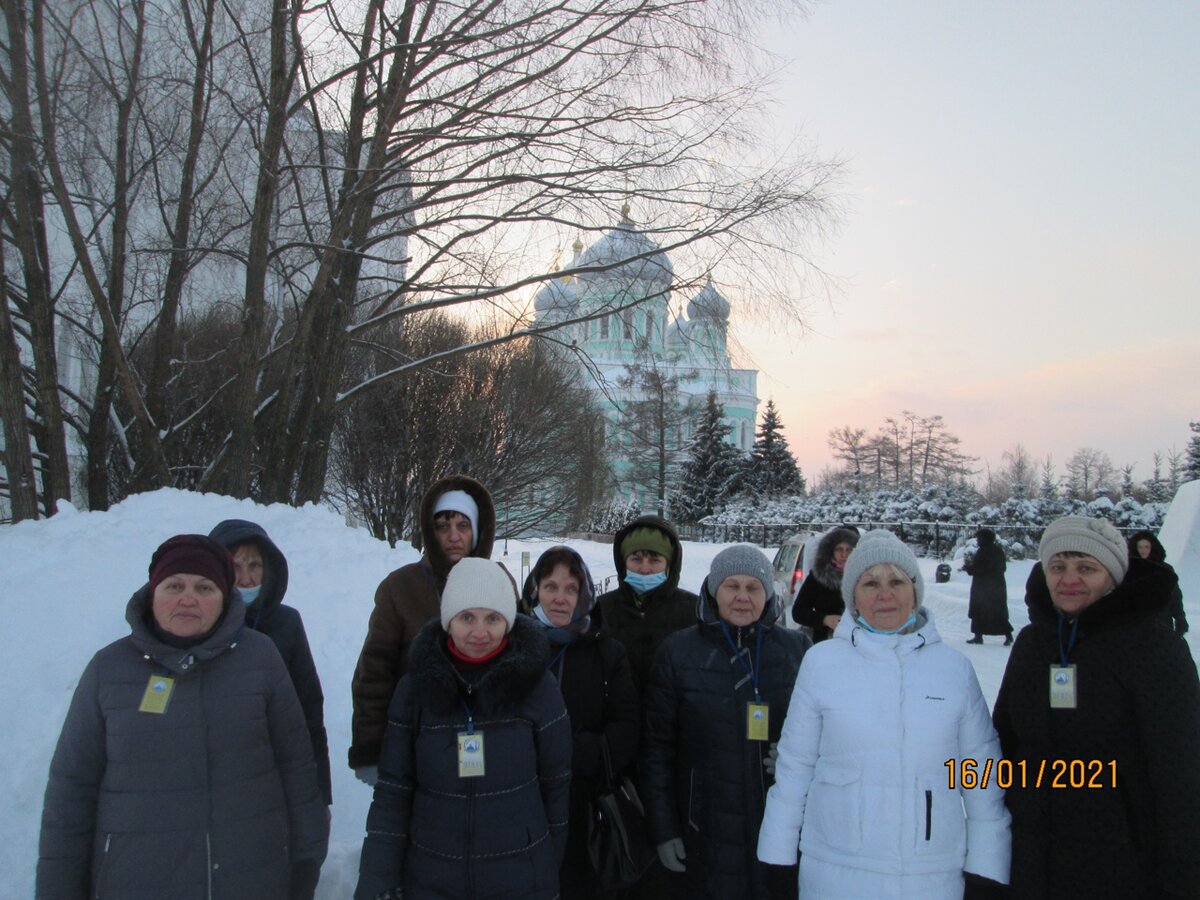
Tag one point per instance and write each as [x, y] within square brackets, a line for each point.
[1144, 591]
[1158, 552]
[823, 569]
[487, 523]
[503, 685]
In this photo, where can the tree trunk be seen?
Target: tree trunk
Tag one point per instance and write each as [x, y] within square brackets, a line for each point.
[18, 454]
[30, 236]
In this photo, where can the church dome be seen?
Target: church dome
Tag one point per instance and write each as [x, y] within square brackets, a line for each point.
[633, 256]
[557, 294]
[677, 334]
[708, 304]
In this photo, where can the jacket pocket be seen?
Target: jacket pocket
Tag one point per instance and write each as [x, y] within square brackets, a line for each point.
[941, 825]
[834, 811]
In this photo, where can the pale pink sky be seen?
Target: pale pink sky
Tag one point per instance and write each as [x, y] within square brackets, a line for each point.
[1020, 251]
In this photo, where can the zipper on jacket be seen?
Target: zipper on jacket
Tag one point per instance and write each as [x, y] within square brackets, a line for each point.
[103, 865]
[928, 814]
[208, 861]
[470, 838]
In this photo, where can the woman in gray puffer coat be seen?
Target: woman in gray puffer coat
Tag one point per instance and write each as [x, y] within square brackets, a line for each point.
[184, 768]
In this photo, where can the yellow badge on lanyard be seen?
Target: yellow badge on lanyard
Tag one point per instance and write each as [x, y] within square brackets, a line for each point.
[158, 694]
[758, 722]
[1063, 687]
[470, 754]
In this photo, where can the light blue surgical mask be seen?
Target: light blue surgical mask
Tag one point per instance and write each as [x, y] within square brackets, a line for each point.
[912, 617]
[644, 584]
[249, 595]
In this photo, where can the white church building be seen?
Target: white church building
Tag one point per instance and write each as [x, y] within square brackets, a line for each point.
[629, 281]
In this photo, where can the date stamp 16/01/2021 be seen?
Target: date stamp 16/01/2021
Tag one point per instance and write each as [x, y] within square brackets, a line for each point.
[1056, 774]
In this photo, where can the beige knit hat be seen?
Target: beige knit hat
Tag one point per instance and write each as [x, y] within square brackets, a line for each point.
[1095, 537]
[479, 583]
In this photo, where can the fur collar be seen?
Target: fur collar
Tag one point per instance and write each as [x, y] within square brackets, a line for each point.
[823, 569]
[1144, 592]
[502, 686]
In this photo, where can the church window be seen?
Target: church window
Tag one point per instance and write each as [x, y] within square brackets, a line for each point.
[627, 325]
[650, 326]
[604, 328]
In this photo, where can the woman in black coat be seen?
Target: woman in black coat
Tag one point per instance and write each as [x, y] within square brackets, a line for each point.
[593, 673]
[648, 604]
[989, 591]
[471, 801]
[261, 570]
[819, 604]
[713, 711]
[1114, 746]
[1145, 545]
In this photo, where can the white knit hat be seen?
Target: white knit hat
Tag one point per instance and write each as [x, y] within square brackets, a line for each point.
[1081, 534]
[479, 583]
[873, 548]
[460, 502]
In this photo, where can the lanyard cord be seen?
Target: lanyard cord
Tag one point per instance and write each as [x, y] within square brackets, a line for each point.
[1064, 653]
[752, 672]
[470, 715]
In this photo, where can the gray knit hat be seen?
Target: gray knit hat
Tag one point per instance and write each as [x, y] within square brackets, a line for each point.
[479, 583]
[877, 547]
[1095, 537]
[740, 559]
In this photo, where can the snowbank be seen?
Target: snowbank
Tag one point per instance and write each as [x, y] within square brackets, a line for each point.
[67, 579]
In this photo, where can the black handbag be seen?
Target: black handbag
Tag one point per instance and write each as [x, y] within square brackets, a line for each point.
[618, 842]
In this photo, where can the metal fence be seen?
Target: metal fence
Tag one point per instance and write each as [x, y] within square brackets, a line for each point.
[936, 538]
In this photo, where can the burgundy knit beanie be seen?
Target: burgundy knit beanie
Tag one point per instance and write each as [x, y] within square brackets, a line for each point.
[193, 554]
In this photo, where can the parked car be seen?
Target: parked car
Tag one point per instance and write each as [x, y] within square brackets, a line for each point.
[791, 564]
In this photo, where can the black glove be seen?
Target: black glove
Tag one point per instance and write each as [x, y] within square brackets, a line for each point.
[976, 887]
[305, 875]
[783, 882]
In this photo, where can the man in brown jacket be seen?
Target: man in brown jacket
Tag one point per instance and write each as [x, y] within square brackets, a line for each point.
[458, 519]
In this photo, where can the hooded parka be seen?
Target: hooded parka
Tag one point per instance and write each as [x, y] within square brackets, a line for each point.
[404, 601]
[642, 621]
[1172, 614]
[861, 785]
[493, 837]
[703, 778]
[283, 625]
[1136, 722]
[820, 593]
[216, 797]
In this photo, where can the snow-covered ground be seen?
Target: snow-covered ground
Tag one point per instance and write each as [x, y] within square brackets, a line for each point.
[66, 581]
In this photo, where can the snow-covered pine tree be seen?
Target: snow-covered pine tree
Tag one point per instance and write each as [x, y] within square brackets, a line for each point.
[714, 471]
[772, 470]
[1191, 466]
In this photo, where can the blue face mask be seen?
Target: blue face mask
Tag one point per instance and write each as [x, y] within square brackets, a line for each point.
[912, 617]
[644, 584]
[249, 595]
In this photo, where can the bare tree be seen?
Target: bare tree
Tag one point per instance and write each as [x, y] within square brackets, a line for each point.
[1089, 471]
[328, 176]
[510, 415]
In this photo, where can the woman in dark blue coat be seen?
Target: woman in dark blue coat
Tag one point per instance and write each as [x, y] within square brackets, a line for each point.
[713, 712]
[262, 580]
[475, 770]
[597, 685]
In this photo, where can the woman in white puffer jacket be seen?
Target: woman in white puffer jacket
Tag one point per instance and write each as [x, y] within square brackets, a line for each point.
[863, 786]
